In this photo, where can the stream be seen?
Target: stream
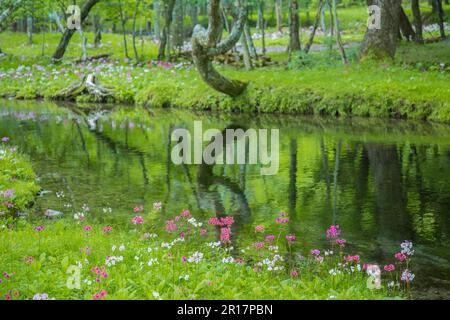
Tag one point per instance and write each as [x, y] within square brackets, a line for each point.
[383, 181]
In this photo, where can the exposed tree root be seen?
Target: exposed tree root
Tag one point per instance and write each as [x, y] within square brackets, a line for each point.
[89, 85]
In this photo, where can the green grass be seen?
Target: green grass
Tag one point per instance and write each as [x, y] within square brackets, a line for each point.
[16, 45]
[363, 90]
[415, 86]
[46, 261]
[318, 85]
[16, 175]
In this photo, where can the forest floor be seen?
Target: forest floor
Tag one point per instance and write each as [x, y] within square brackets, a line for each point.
[414, 86]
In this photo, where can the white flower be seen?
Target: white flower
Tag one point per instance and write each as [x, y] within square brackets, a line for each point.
[152, 261]
[179, 239]
[213, 244]
[407, 248]
[165, 245]
[111, 261]
[407, 276]
[196, 257]
[113, 248]
[122, 248]
[228, 260]
[40, 296]
[79, 216]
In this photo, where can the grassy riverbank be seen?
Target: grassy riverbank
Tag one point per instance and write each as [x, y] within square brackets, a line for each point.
[139, 260]
[415, 86]
[17, 179]
[406, 89]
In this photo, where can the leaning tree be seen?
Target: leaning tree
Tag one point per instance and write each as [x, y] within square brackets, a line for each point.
[206, 45]
[68, 33]
[381, 41]
[7, 8]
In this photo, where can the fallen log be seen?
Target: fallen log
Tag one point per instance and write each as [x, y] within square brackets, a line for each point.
[89, 85]
[93, 58]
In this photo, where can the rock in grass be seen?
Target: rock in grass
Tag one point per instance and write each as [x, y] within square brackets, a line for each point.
[53, 213]
[43, 192]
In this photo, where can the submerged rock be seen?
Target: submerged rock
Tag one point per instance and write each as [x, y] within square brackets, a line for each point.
[52, 213]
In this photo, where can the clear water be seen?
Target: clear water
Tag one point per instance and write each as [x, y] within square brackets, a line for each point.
[382, 181]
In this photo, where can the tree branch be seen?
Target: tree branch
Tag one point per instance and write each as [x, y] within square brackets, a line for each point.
[214, 23]
[233, 38]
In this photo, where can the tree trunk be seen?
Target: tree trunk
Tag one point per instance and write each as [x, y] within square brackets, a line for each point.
[124, 35]
[338, 33]
[205, 47]
[97, 31]
[30, 29]
[83, 45]
[316, 25]
[246, 53]
[279, 16]
[156, 20]
[193, 12]
[43, 42]
[179, 28]
[225, 21]
[68, 33]
[249, 40]
[330, 9]
[440, 11]
[405, 26]
[165, 38]
[382, 43]
[417, 20]
[262, 26]
[322, 21]
[7, 12]
[294, 27]
[136, 10]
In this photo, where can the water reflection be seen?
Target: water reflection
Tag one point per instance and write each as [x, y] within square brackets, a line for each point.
[382, 181]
